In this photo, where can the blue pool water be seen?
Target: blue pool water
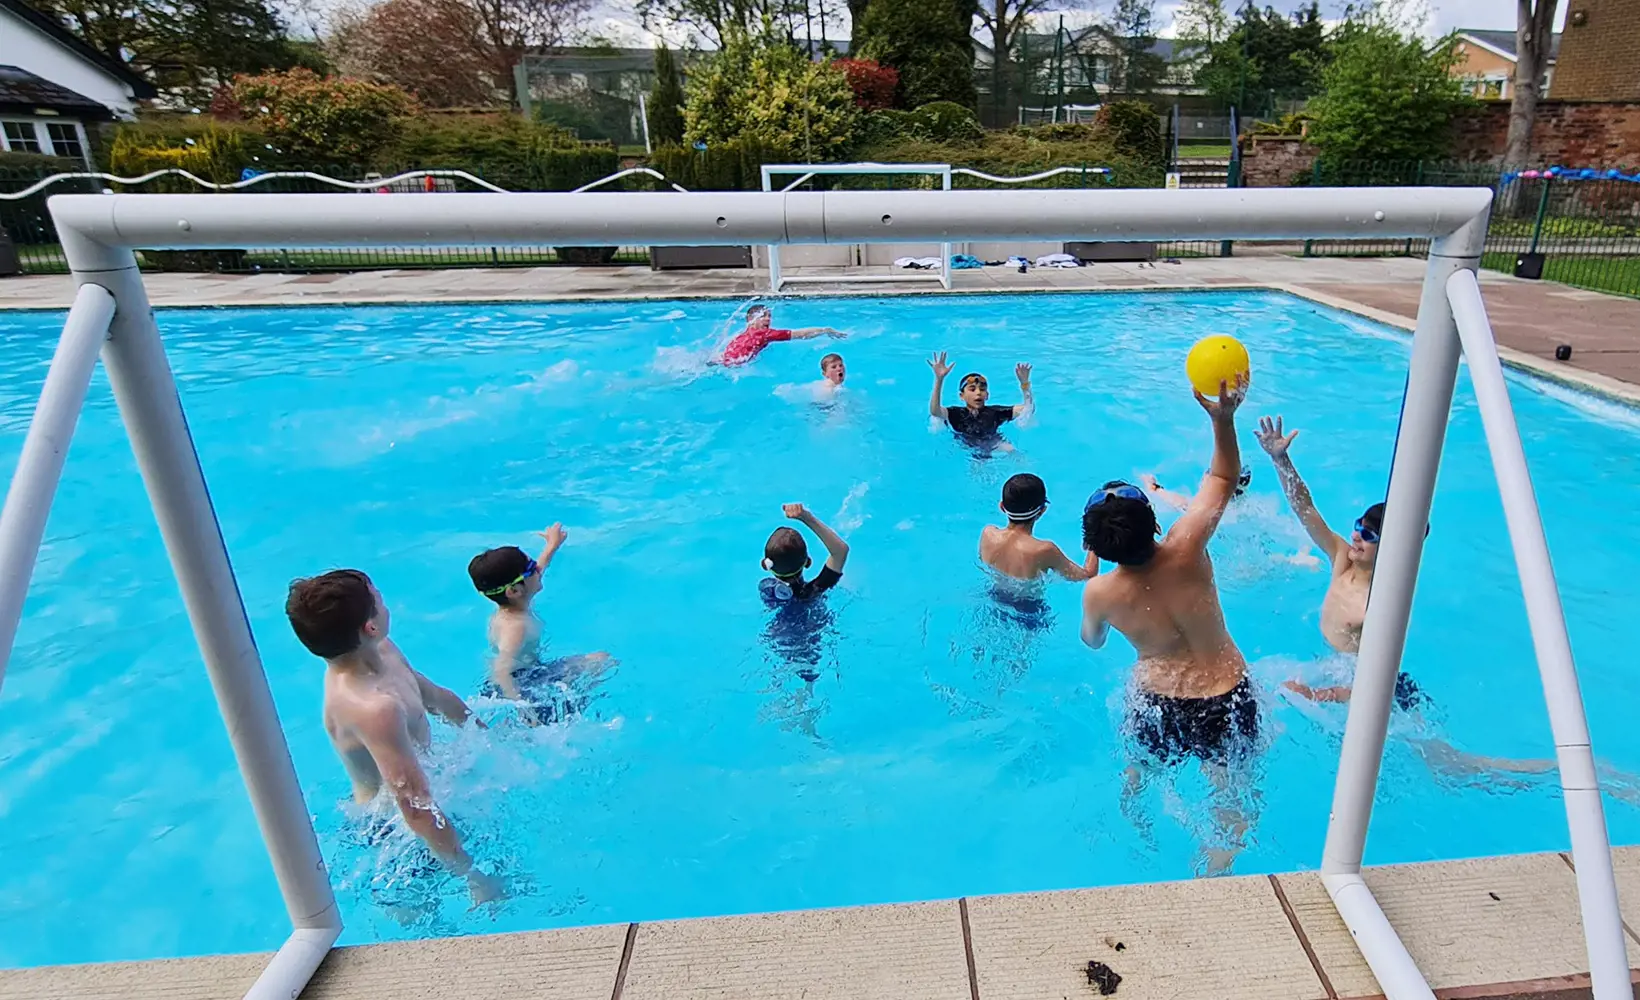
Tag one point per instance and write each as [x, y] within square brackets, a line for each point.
[946, 748]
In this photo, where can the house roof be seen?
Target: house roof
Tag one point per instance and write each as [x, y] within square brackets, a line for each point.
[1168, 49]
[21, 92]
[54, 29]
[1503, 42]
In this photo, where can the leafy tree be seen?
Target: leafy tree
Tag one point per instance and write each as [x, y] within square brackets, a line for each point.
[1201, 24]
[928, 42]
[666, 101]
[1139, 68]
[1007, 22]
[713, 19]
[188, 47]
[1387, 95]
[761, 87]
[434, 49]
[1134, 129]
[318, 120]
[510, 28]
[1267, 57]
[1533, 31]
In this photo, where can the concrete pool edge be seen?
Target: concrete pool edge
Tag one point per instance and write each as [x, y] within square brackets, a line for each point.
[1480, 929]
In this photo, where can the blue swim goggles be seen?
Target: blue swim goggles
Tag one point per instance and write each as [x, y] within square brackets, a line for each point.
[1115, 488]
[1367, 534]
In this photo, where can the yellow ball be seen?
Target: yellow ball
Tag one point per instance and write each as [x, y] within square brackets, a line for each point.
[1215, 359]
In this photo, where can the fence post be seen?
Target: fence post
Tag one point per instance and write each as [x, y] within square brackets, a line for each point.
[1542, 213]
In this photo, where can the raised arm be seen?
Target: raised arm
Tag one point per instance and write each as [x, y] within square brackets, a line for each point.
[1027, 404]
[941, 369]
[385, 732]
[1277, 446]
[810, 332]
[1178, 501]
[555, 537]
[1202, 517]
[836, 548]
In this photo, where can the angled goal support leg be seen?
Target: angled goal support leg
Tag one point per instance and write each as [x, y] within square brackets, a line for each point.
[148, 403]
[1579, 782]
[40, 467]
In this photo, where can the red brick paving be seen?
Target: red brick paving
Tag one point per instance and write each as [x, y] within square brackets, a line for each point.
[1533, 317]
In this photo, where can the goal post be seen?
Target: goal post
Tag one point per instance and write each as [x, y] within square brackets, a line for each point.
[804, 171]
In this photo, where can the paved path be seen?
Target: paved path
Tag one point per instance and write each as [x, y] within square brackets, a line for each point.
[1528, 316]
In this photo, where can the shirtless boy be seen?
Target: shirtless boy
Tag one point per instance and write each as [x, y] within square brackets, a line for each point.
[1015, 550]
[1352, 562]
[760, 333]
[974, 421]
[376, 706]
[1193, 698]
[511, 579]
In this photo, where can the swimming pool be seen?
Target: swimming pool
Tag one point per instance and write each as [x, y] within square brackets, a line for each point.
[946, 748]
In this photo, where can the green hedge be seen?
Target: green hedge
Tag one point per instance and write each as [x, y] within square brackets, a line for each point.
[726, 166]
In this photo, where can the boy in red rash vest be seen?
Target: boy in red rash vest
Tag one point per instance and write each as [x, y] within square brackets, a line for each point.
[759, 333]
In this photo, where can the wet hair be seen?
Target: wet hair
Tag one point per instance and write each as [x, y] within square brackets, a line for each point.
[962, 383]
[759, 309]
[497, 568]
[1373, 517]
[328, 612]
[1121, 530]
[1023, 497]
[828, 359]
[786, 552]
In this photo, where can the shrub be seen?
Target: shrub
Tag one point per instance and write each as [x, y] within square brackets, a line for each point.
[1294, 124]
[763, 88]
[930, 43]
[873, 84]
[736, 165]
[1015, 153]
[210, 151]
[1134, 130]
[28, 163]
[318, 120]
[948, 121]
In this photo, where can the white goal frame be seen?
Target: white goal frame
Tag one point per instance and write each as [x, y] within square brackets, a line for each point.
[111, 316]
[804, 171]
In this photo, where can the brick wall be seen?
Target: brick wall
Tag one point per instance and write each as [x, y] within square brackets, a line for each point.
[1599, 52]
[1568, 133]
[1274, 161]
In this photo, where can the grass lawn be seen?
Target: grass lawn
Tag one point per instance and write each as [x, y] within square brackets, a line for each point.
[1617, 275]
[1217, 152]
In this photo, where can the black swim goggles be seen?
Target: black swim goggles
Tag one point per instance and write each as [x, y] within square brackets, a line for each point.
[530, 569]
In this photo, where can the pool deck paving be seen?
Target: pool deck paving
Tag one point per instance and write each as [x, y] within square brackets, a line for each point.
[1500, 928]
[1529, 318]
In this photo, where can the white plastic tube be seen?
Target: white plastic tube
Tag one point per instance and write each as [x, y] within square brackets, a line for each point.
[1386, 956]
[733, 218]
[288, 972]
[40, 466]
[1591, 851]
[149, 406]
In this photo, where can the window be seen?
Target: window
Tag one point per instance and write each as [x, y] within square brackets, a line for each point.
[65, 140]
[21, 137]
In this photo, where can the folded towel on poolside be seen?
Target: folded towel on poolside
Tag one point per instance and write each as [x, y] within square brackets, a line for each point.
[961, 261]
[1057, 260]
[918, 263]
[1018, 261]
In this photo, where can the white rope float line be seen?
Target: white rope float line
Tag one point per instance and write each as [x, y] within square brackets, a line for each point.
[248, 182]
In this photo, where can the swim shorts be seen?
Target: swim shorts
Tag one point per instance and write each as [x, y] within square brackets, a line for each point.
[1209, 729]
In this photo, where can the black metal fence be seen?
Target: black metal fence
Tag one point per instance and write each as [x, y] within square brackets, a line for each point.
[1579, 227]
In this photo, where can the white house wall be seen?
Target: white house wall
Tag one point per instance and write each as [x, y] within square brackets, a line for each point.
[26, 47]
